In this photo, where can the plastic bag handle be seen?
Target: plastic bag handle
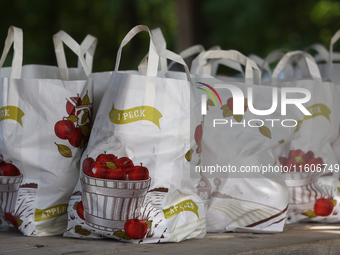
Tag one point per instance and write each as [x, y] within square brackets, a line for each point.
[153, 56]
[166, 54]
[252, 70]
[212, 66]
[14, 36]
[334, 39]
[189, 52]
[159, 42]
[58, 40]
[260, 62]
[311, 65]
[88, 47]
[322, 53]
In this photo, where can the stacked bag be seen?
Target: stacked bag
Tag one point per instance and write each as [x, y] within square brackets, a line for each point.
[137, 155]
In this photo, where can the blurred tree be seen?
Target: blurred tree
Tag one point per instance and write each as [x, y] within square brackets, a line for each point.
[256, 27]
[108, 20]
[261, 26]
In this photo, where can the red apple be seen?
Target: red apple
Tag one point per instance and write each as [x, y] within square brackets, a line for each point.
[139, 173]
[128, 170]
[295, 153]
[283, 161]
[64, 129]
[308, 156]
[300, 167]
[317, 162]
[80, 210]
[2, 165]
[12, 220]
[230, 103]
[77, 138]
[231, 107]
[116, 174]
[87, 166]
[106, 158]
[290, 163]
[10, 170]
[135, 229]
[198, 134]
[123, 163]
[99, 169]
[323, 207]
[70, 108]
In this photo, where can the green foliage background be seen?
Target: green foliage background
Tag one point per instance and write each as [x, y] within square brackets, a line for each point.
[256, 27]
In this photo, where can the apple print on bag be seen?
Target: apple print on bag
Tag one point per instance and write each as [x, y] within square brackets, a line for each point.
[77, 126]
[10, 181]
[228, 109]
[307, 196]
[123, 186]
[298, 161]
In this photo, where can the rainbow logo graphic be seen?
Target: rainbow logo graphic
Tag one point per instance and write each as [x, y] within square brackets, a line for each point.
[204, 97]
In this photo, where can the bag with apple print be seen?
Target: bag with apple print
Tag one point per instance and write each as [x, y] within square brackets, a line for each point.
[313, 176]
[329, 69]
[44, 125]
[241, 197]
[135, 183]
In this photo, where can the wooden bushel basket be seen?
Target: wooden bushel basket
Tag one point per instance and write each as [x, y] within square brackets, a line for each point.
[9, 189]
[108, 204]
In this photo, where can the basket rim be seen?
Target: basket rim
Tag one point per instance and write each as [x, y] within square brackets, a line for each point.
[149, 178]
[15, 176]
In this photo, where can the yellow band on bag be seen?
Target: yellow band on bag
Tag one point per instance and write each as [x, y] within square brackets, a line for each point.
[11, 112]
[315, 110]
[135, 114]
[186, 205]
[51, 212]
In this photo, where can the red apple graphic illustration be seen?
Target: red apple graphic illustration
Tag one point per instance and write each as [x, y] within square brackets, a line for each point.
[308, 156]
[116, 174]
[127, 170]
[64, 129]
[77, 138]
[123, 163]
[283, 161]
[198, 134]
[12, 219]
[80, 210]
[99, 169]
[139, 173]
[317, 162]
[135, 229]
[106, 158]
[10, 170]
[230, 102]
[87, 166]
[70, 108]
[2, 165]
[323, 207]
[295, 153]
[291, 162]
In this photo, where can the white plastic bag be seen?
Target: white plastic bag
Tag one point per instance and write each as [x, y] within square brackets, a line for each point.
[135, 179]
[44, 122]
[236, 152]
[313, 179]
